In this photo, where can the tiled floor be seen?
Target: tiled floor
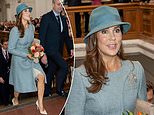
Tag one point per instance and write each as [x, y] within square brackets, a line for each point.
[52, 104]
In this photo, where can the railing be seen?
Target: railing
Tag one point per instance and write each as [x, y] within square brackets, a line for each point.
[139, 15]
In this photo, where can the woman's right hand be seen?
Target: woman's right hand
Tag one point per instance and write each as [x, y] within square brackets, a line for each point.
[29, 56]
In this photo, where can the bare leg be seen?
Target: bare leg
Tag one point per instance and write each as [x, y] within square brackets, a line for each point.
[40, 86]
[15, 100]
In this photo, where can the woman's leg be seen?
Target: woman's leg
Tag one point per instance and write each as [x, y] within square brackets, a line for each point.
[40, 86]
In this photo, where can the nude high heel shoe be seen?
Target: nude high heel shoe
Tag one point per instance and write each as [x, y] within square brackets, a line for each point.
[13, 102]
[44, 112]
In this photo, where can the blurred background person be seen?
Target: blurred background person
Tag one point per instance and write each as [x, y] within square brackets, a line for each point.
[150, 95]
[77, 16]
[5, 59]
[96, 2]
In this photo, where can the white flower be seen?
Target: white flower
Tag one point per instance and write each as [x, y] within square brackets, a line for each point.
[36, 55]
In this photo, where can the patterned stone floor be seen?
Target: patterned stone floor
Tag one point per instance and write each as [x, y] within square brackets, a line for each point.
[52, 104]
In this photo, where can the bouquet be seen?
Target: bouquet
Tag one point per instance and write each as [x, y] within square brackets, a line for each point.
[37, 51]
[132, 113]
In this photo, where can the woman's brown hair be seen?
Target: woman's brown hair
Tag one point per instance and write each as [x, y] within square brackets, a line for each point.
[95, 66]
[20, 25]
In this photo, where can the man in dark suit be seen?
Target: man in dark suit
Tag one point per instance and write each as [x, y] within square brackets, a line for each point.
[5, 88]
[53, 34]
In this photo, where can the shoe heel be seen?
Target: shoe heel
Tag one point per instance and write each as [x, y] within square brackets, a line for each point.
[44, 112]
[13, 102]
[37, 107]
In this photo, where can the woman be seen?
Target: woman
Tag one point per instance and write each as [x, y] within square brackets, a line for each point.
[106, 84]
[25, 74]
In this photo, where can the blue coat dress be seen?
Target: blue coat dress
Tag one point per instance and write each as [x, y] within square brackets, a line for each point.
[21, 71]
[119, 95]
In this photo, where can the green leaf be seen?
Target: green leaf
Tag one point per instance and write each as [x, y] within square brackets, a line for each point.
[130, 113]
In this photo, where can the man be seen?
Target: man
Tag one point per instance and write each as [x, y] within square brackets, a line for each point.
[53, 34]
[5, 88]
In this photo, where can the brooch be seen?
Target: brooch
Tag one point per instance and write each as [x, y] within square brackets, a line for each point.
[132, 79]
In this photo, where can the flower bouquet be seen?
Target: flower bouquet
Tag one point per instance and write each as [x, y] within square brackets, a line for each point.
[37, 51]
[132, 113]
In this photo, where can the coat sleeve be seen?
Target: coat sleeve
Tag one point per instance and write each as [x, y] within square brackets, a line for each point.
[13, 39]
[1, 64]
[77, 96]
[43, 30]
[142, 83]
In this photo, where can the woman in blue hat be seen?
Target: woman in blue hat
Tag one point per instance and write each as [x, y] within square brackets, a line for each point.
[106, 84]
[25, 74]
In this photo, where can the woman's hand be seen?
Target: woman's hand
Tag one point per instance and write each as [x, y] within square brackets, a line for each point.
[72, 53]
[29, 56]
[2, 80]
[44, 59]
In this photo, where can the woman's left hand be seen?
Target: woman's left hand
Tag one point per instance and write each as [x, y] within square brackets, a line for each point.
[44, 59]
[72, 53]
[2, 80]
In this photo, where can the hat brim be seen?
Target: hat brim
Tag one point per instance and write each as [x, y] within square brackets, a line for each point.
[126, 26]
[30, 9]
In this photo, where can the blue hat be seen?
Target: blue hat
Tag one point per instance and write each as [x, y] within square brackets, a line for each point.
[22, 7]
[104, 17]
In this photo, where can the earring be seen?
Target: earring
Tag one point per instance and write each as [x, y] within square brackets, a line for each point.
[94, 42]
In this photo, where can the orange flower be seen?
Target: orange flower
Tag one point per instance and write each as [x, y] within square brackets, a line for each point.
[139, 113]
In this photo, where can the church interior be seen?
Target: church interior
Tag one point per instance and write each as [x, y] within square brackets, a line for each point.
[138, 43]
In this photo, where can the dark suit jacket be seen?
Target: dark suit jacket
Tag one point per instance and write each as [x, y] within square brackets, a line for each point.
[50, 36]
[4, 66]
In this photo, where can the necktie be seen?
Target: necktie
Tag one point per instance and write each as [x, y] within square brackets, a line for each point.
[58, 19]
[6, 55]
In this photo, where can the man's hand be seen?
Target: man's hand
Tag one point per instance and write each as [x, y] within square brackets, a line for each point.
[44, 59]
[72, 53]
[2, 80]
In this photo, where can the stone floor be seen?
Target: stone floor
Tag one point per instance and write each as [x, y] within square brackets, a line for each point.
[52, 104]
